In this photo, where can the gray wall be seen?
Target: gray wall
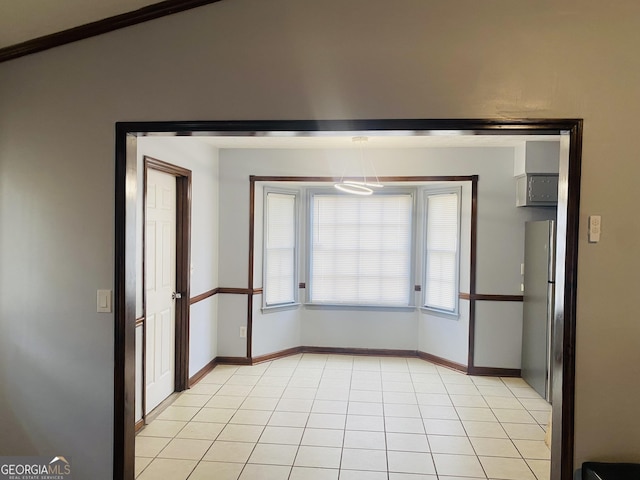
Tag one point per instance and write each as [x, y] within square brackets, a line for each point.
[283, 59]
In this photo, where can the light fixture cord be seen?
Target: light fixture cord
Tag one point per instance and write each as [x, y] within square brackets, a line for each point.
[344, 169]
[375, 174]
[362, 163]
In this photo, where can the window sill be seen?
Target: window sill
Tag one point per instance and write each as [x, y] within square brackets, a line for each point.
[278, 308]
[342, 306]
[440, 313]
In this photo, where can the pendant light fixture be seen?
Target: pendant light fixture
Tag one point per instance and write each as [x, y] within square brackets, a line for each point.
[365, 186]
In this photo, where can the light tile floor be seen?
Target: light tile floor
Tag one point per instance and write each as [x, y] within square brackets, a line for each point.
[339, 417]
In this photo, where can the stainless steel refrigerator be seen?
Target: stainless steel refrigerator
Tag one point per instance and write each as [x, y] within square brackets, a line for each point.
[538, 306]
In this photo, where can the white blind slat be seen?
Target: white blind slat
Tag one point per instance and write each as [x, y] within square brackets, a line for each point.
[442, 251]
[361, 249]
[279, 250]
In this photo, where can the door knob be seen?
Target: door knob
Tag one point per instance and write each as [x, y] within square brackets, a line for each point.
[176, 295]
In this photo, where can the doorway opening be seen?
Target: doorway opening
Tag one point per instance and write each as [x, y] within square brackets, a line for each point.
[127, 174]
[164, 266]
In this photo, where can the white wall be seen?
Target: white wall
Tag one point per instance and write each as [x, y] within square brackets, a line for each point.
[284, 59]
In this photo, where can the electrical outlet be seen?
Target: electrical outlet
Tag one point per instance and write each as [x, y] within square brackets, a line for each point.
[243, 332]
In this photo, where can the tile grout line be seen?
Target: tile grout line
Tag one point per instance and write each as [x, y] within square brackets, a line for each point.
[228, 421]
[346, 418]
[424, 427]
[269, 364]
[186, 423]
[384, 420]
[325, 367]
[308, 416]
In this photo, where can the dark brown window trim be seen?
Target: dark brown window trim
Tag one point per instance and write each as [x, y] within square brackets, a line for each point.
[252, 203]
[93, 29]
[424, 178]
[473, 255]
[397, 179]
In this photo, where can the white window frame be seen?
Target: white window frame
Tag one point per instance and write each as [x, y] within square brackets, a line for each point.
[427, 193]
[296, 249]
[410, 191]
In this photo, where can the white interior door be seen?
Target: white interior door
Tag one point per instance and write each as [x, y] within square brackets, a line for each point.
[160, 283]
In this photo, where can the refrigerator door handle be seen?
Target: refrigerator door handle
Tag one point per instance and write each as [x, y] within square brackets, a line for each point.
[551, 303]
[551, 275]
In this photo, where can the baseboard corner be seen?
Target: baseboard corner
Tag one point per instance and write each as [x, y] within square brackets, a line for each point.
[443, 362]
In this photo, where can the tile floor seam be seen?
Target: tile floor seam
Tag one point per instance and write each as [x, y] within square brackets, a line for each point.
[304, 429]
[227, 423]
[293, 461]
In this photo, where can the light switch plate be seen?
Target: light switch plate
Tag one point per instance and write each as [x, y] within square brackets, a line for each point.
[104, 301]
[595, 226]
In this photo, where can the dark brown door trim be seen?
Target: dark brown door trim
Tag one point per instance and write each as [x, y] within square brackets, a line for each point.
[125, 254]
[183, 267]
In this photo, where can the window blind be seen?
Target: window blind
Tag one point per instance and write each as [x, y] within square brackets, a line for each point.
[442, 239]
[280, 249]
[361, 249]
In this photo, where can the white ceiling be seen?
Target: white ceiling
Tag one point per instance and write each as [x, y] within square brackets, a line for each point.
[22, 20]
[345, 140]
